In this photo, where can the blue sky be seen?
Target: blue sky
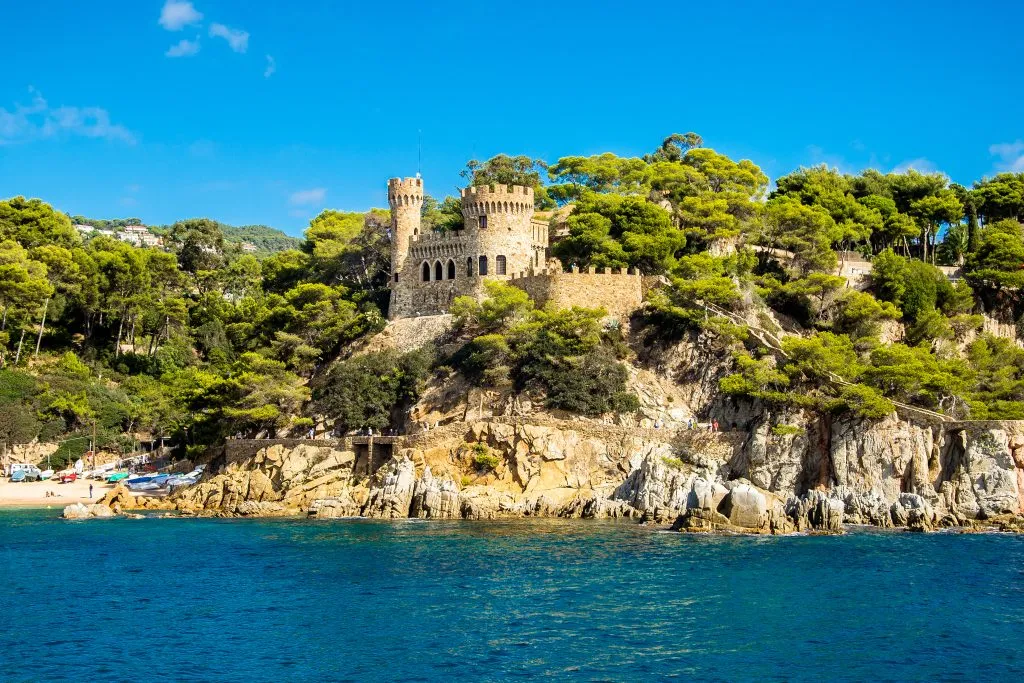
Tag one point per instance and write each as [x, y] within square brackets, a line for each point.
[258, 112]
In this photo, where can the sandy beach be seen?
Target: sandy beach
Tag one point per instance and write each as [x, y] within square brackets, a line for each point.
[33, 494]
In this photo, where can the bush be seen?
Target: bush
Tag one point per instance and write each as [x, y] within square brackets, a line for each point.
[368, 391]
[786, 430]
[483, 459]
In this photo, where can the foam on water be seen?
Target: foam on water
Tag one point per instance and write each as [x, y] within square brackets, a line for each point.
[293, 600]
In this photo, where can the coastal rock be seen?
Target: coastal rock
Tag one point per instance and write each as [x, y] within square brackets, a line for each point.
[435, 498]
[393, 497]
[658, 488]
[816, 511]
[746, 507]
[83, 511]
[332, 508]
[986, 470]
[913, 512]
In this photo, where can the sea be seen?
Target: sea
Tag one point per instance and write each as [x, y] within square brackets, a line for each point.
[183, 599]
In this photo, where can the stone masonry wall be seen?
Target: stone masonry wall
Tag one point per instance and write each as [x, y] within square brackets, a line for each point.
[620, 293]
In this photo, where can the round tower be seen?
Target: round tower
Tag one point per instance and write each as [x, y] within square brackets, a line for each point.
[497, 219]
[405, 197]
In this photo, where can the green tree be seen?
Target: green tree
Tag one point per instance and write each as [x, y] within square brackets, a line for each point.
[34, 223]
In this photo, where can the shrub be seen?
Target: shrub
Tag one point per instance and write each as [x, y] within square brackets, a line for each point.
[674, 463]
[786, 430]
[483, 459]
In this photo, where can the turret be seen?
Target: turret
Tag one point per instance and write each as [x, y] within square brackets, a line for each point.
[405, 196]
[497, 206]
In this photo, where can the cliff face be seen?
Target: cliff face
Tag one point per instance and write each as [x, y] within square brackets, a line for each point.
[886, 473]
[487, 456]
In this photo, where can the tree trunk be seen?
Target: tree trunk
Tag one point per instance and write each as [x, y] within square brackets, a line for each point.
[3, 326]
[132, 333]
[117, 344]
[17, 357]
[42, 327]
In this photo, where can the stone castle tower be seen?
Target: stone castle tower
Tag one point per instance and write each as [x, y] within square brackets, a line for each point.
[499, 241]
[405, 197]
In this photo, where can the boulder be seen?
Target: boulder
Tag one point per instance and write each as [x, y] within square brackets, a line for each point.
[83, 511]
[746, 507]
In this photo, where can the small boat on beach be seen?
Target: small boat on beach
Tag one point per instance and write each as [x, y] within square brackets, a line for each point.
[45, 474]
[18, 475]
[69, 477]
[117, 476]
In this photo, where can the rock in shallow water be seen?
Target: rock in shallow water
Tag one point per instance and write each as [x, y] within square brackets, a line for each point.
[83, 511]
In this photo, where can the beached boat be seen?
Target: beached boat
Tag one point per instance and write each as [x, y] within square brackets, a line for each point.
[45, 474]
[18, 475]
[148, 483]
[68, 478]
[117, 476]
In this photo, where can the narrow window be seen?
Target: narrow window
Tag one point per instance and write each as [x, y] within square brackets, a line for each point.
[483, 266]
[426, 272]
[499, 265]
[438, 271]
[451, 270]
[469, 267]
[396, 277]
[483, 222]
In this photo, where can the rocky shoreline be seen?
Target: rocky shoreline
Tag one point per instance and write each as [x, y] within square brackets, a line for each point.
[888, 474]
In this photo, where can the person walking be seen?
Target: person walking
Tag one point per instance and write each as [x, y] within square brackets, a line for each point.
[714, 426]
[90, 490]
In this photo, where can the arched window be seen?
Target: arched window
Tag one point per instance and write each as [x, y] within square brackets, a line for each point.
[451, 269]
[426, 272]
[483, 265]
[499, 265]
[469, 267]
[438, 271]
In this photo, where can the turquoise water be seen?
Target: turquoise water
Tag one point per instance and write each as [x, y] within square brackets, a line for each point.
[262, 600]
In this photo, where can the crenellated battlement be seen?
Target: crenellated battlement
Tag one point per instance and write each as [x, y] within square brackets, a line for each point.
[620, 291]
[405, 191]
[480, 200]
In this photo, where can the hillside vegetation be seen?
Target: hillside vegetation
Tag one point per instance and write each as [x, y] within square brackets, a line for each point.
[202, 341]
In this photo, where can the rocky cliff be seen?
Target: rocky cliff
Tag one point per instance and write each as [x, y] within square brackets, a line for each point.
[820, 476]
[481, 455]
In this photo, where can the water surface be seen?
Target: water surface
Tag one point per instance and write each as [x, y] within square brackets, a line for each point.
[297, 600]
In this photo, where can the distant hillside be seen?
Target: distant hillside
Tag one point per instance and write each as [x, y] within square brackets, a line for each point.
[264, 238]
[267, 240]
[106, 223]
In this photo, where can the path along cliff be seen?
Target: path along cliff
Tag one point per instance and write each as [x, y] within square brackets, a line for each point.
[887, 473]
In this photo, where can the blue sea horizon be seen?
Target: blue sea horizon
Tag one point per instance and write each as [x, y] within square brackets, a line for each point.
[362, 600]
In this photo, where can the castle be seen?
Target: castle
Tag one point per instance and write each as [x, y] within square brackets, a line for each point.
[501, 240]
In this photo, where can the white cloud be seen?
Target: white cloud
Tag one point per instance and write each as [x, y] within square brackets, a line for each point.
[39, 120]
[271, 67]
[237, 38]
[315, 195]
[183, 48]
[1011, 156]
[176, 15]
[921, 165]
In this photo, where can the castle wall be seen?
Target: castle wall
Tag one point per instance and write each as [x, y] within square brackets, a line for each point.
[620, 293]
[431, 269]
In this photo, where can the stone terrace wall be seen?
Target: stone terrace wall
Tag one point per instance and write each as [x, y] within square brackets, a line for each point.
[620, 293]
